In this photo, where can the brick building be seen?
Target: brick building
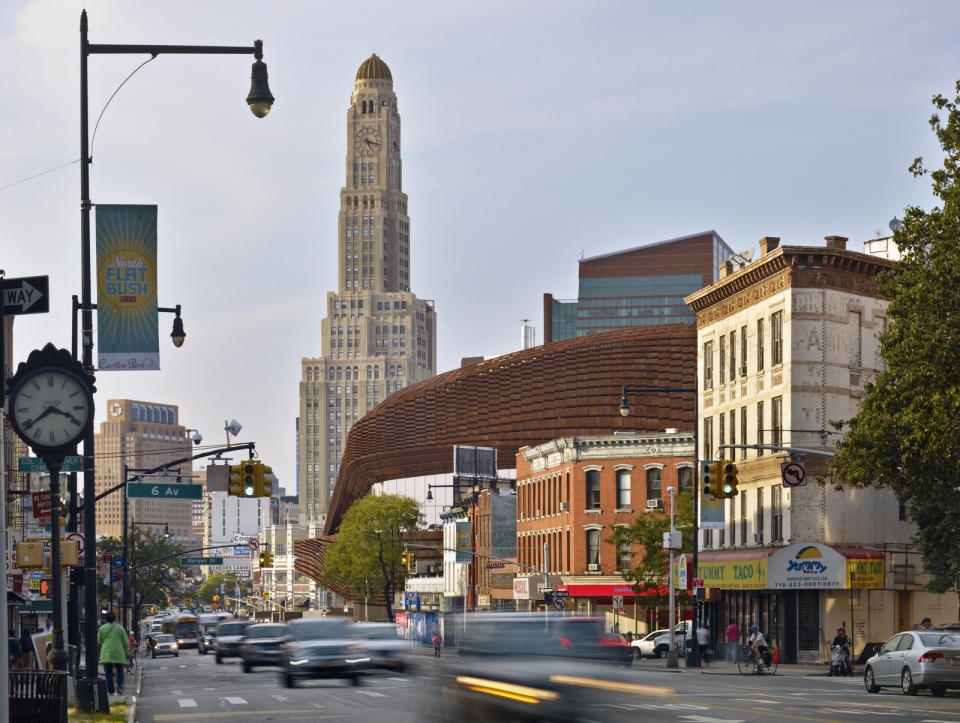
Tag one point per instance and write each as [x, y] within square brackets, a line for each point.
[572, 492]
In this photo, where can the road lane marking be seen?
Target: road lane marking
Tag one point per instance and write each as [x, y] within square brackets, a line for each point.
[402, 680]
[275, 714]
[279, 697]
[371, 693]
[188, 703]
[234, 700]
[708, 719]
[176, 692]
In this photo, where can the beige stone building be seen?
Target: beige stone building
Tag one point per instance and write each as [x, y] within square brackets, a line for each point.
[786, 344]
[141, 435]
[377, 336]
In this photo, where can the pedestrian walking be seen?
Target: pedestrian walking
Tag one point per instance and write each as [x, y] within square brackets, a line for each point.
[27, 651]
[733, 641]
[113, 649]
[926, 624]
[437, 641]
[703, 641]
[14, 656]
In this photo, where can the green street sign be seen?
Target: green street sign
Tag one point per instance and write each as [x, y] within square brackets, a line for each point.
[201, 560]
[164, 491]
[35, 464]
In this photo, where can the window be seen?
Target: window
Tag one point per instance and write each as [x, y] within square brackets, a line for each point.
[708, 438]
[654, 483]
[760, 427]
[685, 479]
[776, 421]
[593, 547]
[776, 332]
[723, 367]
[902, 512]
[708, 365]
[723, 433]
[743, 431]
[743, 351]
[776, 513]
[623, 489]
[593, 489]
[624, 557]
[759, 525]
[733, 356]
[759, 345]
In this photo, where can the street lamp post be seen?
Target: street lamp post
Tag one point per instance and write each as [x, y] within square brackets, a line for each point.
[260, 101]
[625, 412]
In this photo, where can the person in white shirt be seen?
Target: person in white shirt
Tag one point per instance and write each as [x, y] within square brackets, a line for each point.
[703, 640]
[758, 643]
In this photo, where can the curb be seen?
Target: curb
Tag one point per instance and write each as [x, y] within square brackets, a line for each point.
[132, 705]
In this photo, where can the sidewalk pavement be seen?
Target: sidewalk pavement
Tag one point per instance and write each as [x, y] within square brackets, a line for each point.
[720, 667]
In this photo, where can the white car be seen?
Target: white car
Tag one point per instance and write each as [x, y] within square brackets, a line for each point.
[643, 647]
[914, 660]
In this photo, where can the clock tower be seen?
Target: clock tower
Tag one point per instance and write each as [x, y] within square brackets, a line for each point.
[377, 336]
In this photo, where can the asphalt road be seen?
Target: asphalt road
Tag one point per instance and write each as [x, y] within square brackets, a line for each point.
[193, 688]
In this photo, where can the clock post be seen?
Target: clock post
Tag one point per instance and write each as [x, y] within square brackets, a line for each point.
[58, 654]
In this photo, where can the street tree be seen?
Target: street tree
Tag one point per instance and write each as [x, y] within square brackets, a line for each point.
[650, 567]
[365, 560]
[211, 587]
[906, 433]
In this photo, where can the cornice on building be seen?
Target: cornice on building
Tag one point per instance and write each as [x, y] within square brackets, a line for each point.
[788, 267]
[565, 450]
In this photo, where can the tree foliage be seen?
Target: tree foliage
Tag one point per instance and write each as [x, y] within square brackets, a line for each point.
[211, 587]
[651, 573]
[365, 559]
[906, 433]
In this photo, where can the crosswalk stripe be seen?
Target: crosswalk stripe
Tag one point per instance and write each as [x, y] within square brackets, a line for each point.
[234, 700]
[371, 693]
[188, 703]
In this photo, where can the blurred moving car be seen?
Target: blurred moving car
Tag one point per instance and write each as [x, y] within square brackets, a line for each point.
[261, 644]
[323, 648]
[644, 647]
[538, 667]
[915, 660]
[207, 623]
[386, 650]
[227, 639]
[166, 645]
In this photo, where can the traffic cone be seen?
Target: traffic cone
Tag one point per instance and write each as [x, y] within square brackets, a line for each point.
[776, 656]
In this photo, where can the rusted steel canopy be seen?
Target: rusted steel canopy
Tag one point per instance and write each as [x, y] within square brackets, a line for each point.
[566, 388]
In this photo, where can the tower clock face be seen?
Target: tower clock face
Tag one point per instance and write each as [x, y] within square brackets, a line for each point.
[367, 142]
[51, 409]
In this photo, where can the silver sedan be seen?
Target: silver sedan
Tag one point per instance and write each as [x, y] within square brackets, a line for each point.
[915, 660]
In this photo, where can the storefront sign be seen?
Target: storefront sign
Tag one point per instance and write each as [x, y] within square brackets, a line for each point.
[865, 573]
[401, 619]
[128, 336]
[807, 566]
[521, 588]
[734, 574]
[597, 591]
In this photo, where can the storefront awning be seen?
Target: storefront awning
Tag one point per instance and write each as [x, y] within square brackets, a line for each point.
[15, 598]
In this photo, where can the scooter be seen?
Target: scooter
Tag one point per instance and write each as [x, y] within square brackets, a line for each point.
[838, 661]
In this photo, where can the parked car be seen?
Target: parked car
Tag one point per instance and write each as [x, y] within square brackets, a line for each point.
[644, 647]
[229, 635]
[915, 660]
[324, 648]
[661, 645]
[261, 644]
[166, 645]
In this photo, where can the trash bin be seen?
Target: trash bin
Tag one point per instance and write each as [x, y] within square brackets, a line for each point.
[38, 696]
[693, 653]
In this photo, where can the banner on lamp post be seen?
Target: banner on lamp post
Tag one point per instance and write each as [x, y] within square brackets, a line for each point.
[128, 335]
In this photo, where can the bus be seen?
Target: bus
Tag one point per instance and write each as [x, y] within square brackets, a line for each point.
[184, 627]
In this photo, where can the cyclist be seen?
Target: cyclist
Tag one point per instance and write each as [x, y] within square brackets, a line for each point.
[758, 644]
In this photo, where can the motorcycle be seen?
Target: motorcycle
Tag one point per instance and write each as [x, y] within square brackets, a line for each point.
[838, 661]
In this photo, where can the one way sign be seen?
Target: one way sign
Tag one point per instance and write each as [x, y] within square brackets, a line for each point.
[28, 295]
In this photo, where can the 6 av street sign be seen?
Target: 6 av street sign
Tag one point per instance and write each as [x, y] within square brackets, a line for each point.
[27, 295]
[201, 560]
[165, 491]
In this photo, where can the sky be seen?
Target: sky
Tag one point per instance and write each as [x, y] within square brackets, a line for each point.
[534, 132]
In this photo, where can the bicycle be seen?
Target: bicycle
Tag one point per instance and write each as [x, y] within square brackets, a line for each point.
[747, 664]
[132, 663]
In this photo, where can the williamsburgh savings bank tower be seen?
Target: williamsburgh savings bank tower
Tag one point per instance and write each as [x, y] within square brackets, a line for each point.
[377, 335]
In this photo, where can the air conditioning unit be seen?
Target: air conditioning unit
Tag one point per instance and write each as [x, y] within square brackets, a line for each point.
[593, 568]
[654, 504]
[564, 506]
[756, 537]
[708, 384]
[743, 371]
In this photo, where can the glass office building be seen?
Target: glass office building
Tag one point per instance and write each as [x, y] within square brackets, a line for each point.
[637, 287]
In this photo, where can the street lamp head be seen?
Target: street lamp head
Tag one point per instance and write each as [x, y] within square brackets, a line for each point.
[178, 335]
[260, 98]
[429, 493]
[624, 406]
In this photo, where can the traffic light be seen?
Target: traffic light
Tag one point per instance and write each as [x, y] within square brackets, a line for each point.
[266, 595]
[216, 598]
[729, 480]
[411, 561]
[264, 483]
[266, 559]
[405, 559]
[709, 480]
[243, 481]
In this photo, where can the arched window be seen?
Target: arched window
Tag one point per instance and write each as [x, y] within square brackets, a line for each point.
[364, 106]
[373, 203]
[654, 484]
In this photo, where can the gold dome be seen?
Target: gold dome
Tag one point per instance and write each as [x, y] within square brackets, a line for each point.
[373, 67]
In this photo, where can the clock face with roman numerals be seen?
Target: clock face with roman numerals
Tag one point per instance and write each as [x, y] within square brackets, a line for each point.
[51, 409]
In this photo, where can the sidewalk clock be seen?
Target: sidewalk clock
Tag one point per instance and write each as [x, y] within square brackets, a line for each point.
[51, 402]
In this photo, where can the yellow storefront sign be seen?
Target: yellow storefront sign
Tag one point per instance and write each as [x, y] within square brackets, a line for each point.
[865, 574]
[734, 574]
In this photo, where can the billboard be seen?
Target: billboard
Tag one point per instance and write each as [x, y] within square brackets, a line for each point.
[478, 462]
[128, 335]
